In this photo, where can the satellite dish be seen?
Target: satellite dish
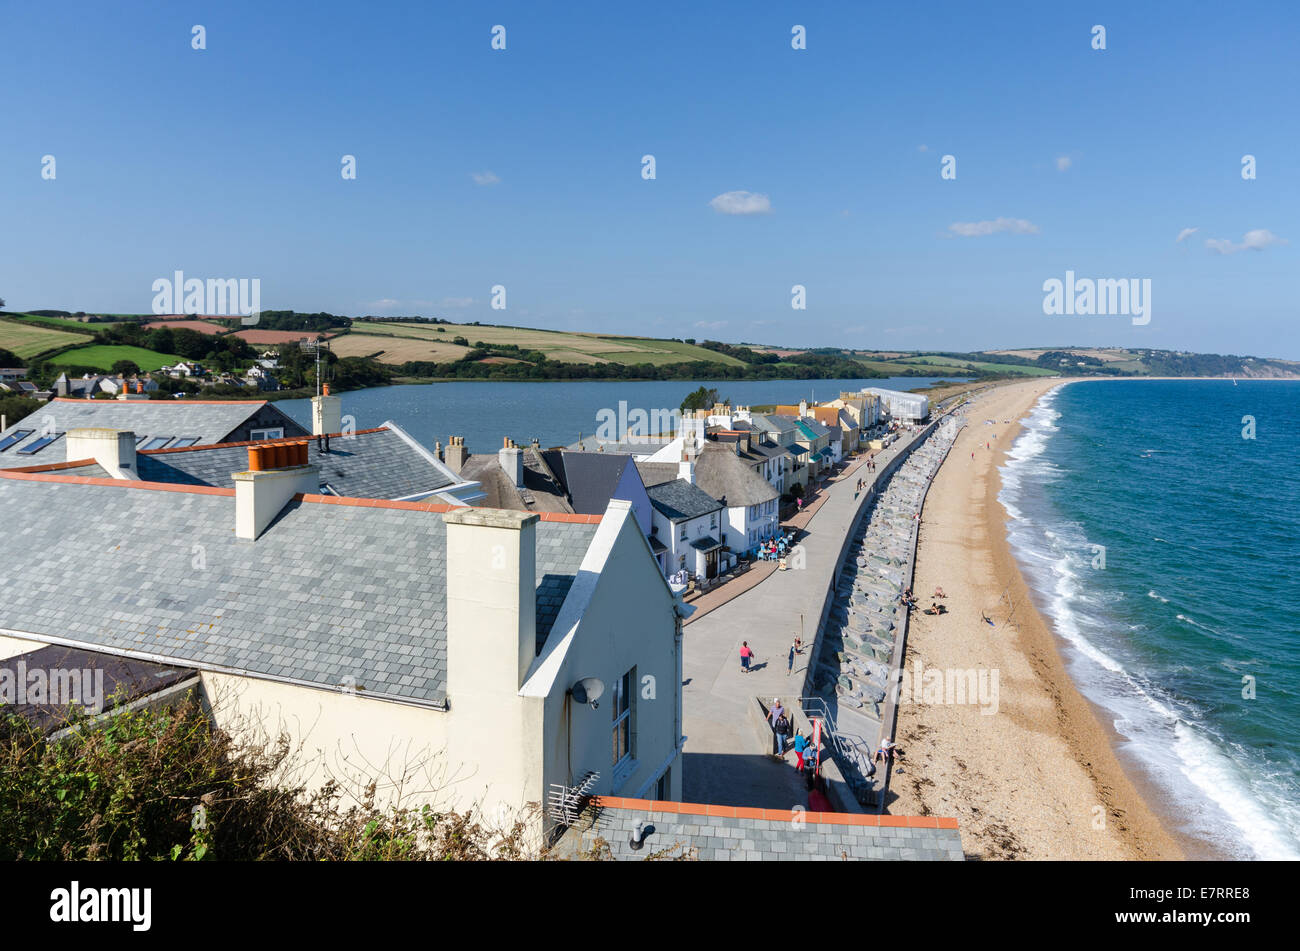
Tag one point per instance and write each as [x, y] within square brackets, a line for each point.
[588, 690]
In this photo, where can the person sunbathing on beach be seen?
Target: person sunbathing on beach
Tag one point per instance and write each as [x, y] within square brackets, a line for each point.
[932, 609]
[938, 592]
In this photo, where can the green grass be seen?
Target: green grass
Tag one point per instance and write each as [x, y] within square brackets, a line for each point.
[948, 364]
[557, 344]
[103, 356]
[26, 339]
[62, 323]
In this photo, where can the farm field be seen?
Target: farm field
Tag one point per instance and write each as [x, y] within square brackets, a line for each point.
[558, 345]
[26, 339]
[202, 326]
[950, 364]
[61, 323]
[103, 356]
[398, 349]
[278, 336]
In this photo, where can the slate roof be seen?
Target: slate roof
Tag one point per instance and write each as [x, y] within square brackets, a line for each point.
[327, 591]
[706, 543]
[725, 475]
[211, 422]
[723, 833]
[589, 478]
[371, 464]
[772, 423]
[679, 500]
[541, 491]
[656, 473]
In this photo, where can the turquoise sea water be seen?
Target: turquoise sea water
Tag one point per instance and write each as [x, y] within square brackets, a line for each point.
[1198, 598]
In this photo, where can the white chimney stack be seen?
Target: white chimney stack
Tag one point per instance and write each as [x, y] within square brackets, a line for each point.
[277, 471]
[112, 449]
[511, 458]
[326, 414]
[491, 604]
[686, 469]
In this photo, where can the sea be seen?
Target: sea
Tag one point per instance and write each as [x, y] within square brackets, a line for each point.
[1157, 524]
[556, 413]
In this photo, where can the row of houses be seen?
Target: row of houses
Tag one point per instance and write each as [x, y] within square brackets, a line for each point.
[494, 630]
[703, 496]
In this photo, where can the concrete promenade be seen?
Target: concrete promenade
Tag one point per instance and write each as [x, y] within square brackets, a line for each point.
[722, 763]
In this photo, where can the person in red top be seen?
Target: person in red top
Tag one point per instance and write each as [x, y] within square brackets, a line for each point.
[746, 655]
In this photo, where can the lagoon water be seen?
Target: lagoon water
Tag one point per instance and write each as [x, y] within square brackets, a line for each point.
[1197, 603]
[555, 413]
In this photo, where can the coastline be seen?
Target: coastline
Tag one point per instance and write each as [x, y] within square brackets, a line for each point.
[1039, 778]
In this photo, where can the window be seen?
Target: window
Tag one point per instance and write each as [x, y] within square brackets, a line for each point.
[185, 442]
[713, 520]
[32, 448]
[156, 443]
[622, 711]
[683, 536]
[275, 432]
[664, 786]
[15, 437]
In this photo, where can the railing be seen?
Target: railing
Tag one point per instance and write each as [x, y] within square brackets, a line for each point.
[850, 747]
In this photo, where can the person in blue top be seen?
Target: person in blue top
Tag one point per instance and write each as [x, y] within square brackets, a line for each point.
[800, 747]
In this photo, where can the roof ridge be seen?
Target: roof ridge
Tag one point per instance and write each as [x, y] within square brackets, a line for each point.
[73, 399]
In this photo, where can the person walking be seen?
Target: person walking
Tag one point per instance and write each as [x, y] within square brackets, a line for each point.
[746, 655]
[800, 746]
[780, 726]
[789, 664]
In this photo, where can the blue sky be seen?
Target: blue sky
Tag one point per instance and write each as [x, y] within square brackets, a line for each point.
[226, 162]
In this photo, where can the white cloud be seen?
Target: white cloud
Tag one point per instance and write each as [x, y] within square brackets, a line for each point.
[384, 303]
[1062, 162]
[710, 324]
[741, 203]
[1256, 240]
[923, 148]
[1185, 233]
[455, 302]
[978, 229]
[485, 178]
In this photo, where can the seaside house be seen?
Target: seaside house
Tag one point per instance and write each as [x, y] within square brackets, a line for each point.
[507, 661]
[815, 439]
[780, 432]
[729, 473]
[686, 521]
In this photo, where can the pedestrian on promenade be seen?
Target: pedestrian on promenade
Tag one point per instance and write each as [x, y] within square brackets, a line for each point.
[789, 664]
[746, 655]
[780, 726]
[800, 746]
[798, 644]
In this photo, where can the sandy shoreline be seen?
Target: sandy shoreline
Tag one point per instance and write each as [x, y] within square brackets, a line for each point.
[1038, 778]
